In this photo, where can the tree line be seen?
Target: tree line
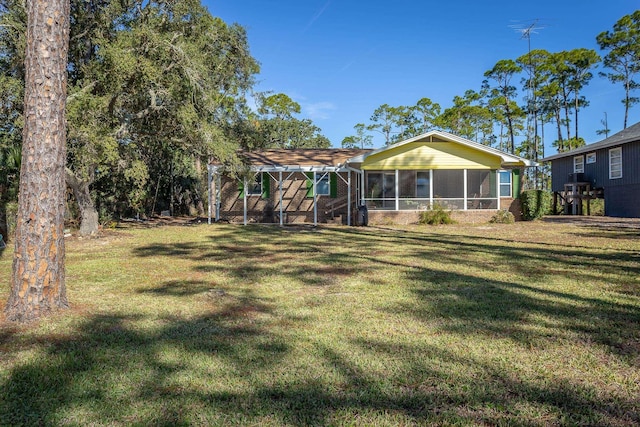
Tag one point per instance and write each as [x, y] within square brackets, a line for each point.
[518, 97]
[157, 89]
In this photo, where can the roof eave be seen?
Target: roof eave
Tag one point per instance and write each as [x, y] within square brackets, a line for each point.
[506, 159]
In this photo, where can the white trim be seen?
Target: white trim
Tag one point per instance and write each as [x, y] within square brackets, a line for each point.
[397, 190]
[315, 199]
[209, 196]
[323, 176]
[465, 185]
[244, 194]
[251, 193]
[578, 164]
[611, 152]
[430, 188]
[500, 184]
[348, 197]
[590, 158]
[281, 198]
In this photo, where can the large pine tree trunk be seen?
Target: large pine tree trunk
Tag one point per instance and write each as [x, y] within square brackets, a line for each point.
[38, 280]
[89, 221]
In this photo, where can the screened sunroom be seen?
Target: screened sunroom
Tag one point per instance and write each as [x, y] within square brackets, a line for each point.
[422, 189]
[441, 169]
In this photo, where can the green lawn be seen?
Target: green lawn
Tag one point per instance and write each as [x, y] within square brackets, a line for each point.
[526, 324]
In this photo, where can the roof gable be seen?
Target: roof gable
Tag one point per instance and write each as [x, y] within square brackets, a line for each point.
[445, 142]
[431, 155]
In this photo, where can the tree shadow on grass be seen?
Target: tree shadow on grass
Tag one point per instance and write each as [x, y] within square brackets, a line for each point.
[526, 314]
[219, 368]
[489, 393]
[181, 288]
[477, 303]
[473, 304]
[110, 372]
[114, 372]
[530, 258]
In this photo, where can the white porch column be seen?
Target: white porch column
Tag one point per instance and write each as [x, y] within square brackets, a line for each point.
[465, 189]
[349, 198]
[209, 180]
[244, 194]
[397, 190]
[362, 188]
[497, 180]
[498, 189]
[430, 188]
[315, 200]
[218, 195]
[280, 193]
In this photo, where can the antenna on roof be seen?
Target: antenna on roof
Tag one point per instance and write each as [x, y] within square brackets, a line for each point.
[526, 30]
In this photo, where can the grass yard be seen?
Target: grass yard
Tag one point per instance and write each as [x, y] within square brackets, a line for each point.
[526, 324]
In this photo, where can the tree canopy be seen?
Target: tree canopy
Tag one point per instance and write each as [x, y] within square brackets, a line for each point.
[156, 89]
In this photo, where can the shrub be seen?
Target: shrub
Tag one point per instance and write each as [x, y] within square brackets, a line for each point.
[503, 216]
[597, 207]
[436, 216]
[535, 204]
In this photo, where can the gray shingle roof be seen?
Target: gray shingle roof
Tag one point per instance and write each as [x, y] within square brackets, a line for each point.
[630, 134]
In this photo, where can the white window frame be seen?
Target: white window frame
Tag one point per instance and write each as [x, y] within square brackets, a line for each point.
[505, 184]
[615, 154]
[591, 158]
[321, 178]
[250, 185]
[578, 164]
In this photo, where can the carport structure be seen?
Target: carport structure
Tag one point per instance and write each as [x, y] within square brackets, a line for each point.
[306, 181]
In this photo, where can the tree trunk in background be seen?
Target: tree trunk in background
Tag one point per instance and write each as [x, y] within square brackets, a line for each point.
[38, 280]
[201, 188]
[89, 221]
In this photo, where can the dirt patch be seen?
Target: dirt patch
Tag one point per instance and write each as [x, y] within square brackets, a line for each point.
[159, 221]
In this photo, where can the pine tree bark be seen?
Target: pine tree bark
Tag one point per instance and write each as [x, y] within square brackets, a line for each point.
[38, 280]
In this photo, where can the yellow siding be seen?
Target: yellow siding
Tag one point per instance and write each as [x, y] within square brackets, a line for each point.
[431, 155]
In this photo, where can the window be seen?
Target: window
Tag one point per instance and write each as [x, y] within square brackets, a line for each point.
[326, 184]
[578, 164]
[323, 187]
[254, 188]
[591, 158]
[422, 184]
[505, 183]
[615, 163]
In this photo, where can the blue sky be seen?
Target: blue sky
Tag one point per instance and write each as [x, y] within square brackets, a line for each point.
[341, 59]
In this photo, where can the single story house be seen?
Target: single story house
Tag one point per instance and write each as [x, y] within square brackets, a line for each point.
[395, 182]
[609, 168]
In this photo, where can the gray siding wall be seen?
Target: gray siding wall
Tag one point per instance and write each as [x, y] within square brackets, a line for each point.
[622, 194]
[622, 201]
[598, 173]
[560, 170]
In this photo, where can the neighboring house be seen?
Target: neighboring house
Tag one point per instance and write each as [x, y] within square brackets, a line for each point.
[609, 168]
[395, 183]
